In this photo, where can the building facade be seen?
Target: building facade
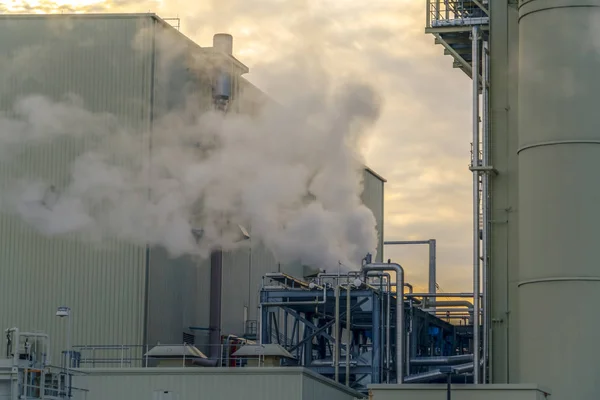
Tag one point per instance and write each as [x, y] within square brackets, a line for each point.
[122, 293]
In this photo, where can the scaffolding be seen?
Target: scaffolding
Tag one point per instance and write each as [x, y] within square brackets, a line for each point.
[462, 28]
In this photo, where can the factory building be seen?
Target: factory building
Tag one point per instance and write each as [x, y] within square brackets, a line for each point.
[121, 293]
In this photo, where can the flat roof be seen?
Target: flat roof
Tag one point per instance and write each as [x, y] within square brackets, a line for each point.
[375, 174]
[273, 372]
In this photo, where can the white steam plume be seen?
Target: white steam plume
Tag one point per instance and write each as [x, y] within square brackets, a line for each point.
[292, 175]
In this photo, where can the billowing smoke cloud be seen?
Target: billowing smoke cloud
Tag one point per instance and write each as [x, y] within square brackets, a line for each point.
[291, 175]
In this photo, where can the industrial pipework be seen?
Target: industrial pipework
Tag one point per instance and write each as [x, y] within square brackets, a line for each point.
[347, 326]
[399, 311]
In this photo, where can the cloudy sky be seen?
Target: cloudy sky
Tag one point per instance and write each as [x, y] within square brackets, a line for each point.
[421, 143]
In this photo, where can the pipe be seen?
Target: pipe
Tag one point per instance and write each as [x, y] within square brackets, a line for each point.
[388, 356]
[399, 311]
[348, 335]
[445, 310]
[432, 267]
[260, 320]
[432, 258]
[388, 328]
[463, 368]
[437, 374]
[485, 206]
[450, 360]
[466, 295]
[475, 164]
[336, 358]
[298, 303]
[424, 377]
[451, 303]
[216, 284]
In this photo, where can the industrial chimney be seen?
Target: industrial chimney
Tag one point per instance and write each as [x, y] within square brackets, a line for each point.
[223, 42]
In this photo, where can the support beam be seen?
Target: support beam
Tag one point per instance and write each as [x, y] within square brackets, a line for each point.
[485, 206]
[475, 162]
[483, 8]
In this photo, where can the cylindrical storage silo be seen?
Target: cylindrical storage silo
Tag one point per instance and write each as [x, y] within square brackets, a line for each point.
[559, 196]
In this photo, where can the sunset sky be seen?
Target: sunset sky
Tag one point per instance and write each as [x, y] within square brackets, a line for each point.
[421, 143]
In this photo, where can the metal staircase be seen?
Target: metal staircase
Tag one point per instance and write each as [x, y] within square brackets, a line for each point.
[462, 28]
[451, 22]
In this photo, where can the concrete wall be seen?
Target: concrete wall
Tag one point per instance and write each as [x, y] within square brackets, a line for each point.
[458, 392]
[209, 383]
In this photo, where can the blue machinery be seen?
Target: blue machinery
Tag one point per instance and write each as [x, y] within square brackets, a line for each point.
[344, 327]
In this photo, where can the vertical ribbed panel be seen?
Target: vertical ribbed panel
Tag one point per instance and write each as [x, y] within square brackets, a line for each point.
[372, 197]
[91, 57]
[236, 290]
[172, 296]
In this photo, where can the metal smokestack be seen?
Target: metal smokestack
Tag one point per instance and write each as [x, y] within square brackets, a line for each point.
[222, 88]
[223, 42]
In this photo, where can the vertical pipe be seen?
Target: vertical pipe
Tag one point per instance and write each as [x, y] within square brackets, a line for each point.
[432, 266]
[249, 278]
[336, 353]
[388, 326]
[264, 321]
[70, 355]
[485, 205]
[475, 164]
[397, 268]
[348, 334]
[285, 329]
[376, 363]
[407, 348]
[382, 318]
[69, 322]
[216, 282]
[298, 335]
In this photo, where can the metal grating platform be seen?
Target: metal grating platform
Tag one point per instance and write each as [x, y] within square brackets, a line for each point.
[451, 22]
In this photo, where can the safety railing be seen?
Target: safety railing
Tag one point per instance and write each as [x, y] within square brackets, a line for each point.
[442, 13]
[47, 384]
[136, 356]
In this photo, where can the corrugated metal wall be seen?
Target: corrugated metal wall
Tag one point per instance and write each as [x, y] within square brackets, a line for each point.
[372, 197]
[92, 58]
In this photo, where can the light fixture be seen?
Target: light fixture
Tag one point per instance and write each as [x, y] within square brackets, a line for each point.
[63, 311]
[245, 234]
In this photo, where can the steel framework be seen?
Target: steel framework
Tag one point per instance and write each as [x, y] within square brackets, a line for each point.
[344, 327]
[462, 28]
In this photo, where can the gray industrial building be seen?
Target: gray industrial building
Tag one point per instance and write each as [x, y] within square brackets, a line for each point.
[122, 294]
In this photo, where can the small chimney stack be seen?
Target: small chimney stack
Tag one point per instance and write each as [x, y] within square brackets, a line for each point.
[223, 42]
